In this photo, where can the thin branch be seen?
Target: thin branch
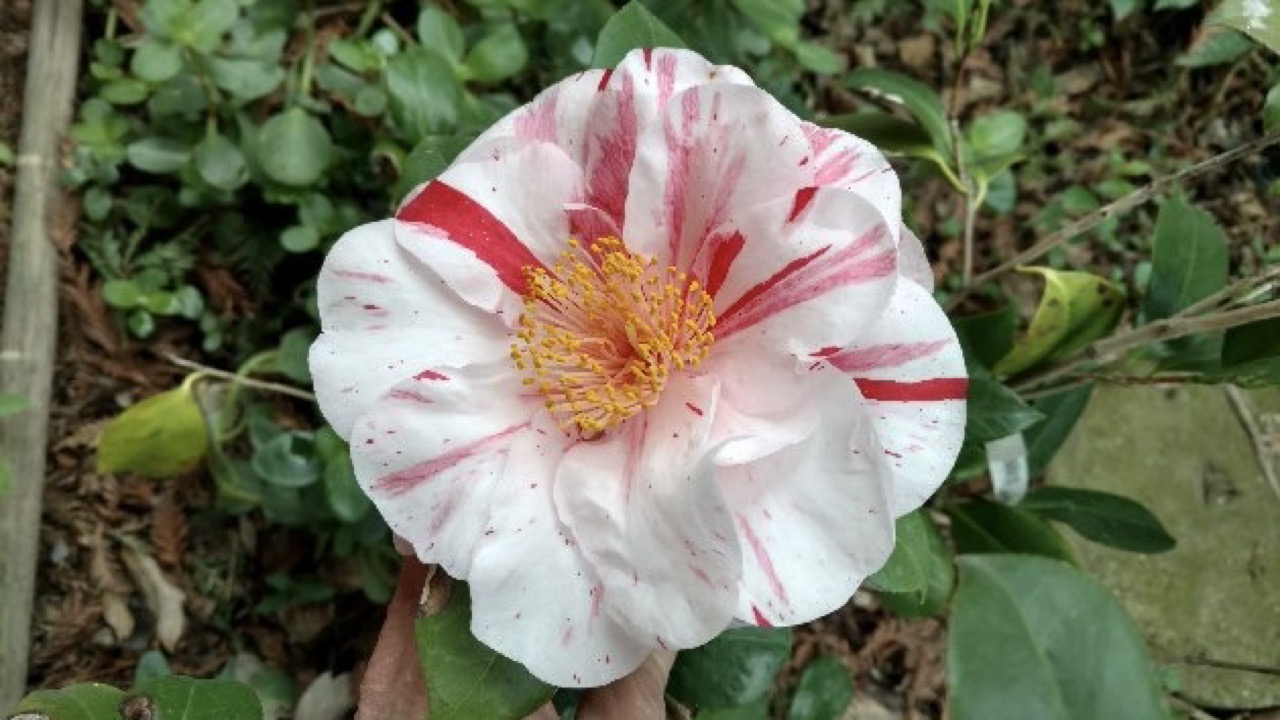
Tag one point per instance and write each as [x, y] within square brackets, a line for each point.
[1241, 405]
[1110, 348]
[1102, 214]
[242, 380]
[1187, 707]
[1232, 664]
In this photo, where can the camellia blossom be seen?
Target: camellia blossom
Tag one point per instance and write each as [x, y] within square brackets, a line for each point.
[651, 356]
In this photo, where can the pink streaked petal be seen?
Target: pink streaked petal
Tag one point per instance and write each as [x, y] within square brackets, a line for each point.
[814, 282]
[481, 223]
[718, 150]
[913, 263]
[535, 598]
[385, 318]
[813, 518]
[841, 160]
[909, 368]
[589, 224]
[430, 453]
[646, 512]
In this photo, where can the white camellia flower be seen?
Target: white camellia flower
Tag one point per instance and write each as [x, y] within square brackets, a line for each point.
[651, 356]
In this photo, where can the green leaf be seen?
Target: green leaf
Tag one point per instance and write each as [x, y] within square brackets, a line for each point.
[892, 135]
[1188, 260]
[907, 570]
[1035, 638]
[220, 162]
[429, 158]
[158, 155]
[465, 679]
[370, 101]
[85, 701]
[498, 55]
[1061, 412]
[819, 58]
[439, 31]
[1215, 45]
[172, 697]
[737, 668]
[1075, 309]
[754, 711]
[987, 337]
[201, 28]
[995, 135]
[631, 28]
[1123, 8]
[344, 494]
[288, 460]
[1271, 110]
[294, 148]
[122, 294]
[1104, 518]
[1259, 19]
[245, 79]
[995, 411]
[294, 348]
[156, 60]
[917, 98]
[982, 527]
[125, 91]
[159, 437]
[12, 403]
[422, 93]
[779, 19]
[299, 239]
[824, 692]
[1252, 351]
[940, 578]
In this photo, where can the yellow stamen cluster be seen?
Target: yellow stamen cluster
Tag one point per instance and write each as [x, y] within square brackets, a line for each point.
[603, 329]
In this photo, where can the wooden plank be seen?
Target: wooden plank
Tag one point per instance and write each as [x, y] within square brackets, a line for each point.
[28, 340]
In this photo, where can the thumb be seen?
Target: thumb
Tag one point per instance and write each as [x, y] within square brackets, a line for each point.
[638, 696]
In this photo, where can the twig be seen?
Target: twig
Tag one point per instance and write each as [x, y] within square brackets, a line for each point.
[1108, 349]
[1241, 405]
[1232, 664]
[1104, 213]
[241, 379]
[1186, 706]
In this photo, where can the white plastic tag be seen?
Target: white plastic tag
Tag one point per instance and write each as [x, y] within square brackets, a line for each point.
[1007, 465]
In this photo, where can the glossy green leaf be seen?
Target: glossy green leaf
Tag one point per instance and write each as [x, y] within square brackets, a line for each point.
[779, 19]
[631, 28]
[439, 31]
[940, 579]
[1188, 260]
[429, 158]
[919, 99]
[1259, 19]
[1075, 309]
[498, 55]
[891, 134]
[1061, 413]
[158, 155]
[422, 93]
[907, 570]
[465, 679]
[173, 697]
[159, 437]
[156, 60]
[1104, 518]
[982, 527]
[824, 692]
[294, 148]
[220, 162]
[987, 337]
[1034, 638]
[85, 701]
[995, 411]
[737, 668]
[1252, 350]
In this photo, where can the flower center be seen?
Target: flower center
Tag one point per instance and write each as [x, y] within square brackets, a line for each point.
[602, 331]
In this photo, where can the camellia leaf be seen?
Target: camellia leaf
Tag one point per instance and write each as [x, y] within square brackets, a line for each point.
[1252, 350]
[1061, 412]
[892, 135]
[294, 148]
[824, 692]
[1104, 518]
[429, 158]
[159, 437]
[995, 411]
[735, 669]
[907, 569]
[917, 98]
[987, 337]
[1034, 638]
[84, 701]
[631, 28]
[465, 679]
[173, 697]
[1259, 19]
[1075, 309]
[1188, 260]
[936, 561]
[982, 527]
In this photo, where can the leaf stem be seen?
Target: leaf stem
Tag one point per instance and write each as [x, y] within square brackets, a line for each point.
[239, 379]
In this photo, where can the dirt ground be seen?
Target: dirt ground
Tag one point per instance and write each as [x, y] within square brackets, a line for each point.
[92, 620]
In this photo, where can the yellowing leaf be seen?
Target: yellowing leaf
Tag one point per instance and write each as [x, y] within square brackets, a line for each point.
[1075, 309]
[162, 436]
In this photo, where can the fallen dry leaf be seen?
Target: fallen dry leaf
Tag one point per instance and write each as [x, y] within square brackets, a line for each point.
[163, 598]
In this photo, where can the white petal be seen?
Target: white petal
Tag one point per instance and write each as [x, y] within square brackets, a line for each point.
[481, 224]
[430, 453]
[913, 262]
[763, 405]
[643, 505]
[910, 369]
[534, 597]
[813, 519]
[386, 318]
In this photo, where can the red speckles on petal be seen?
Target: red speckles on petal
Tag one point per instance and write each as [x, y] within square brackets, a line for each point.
[430, 375]
[365, 276]
[759, 618]
[762, 558]
[694, 409]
